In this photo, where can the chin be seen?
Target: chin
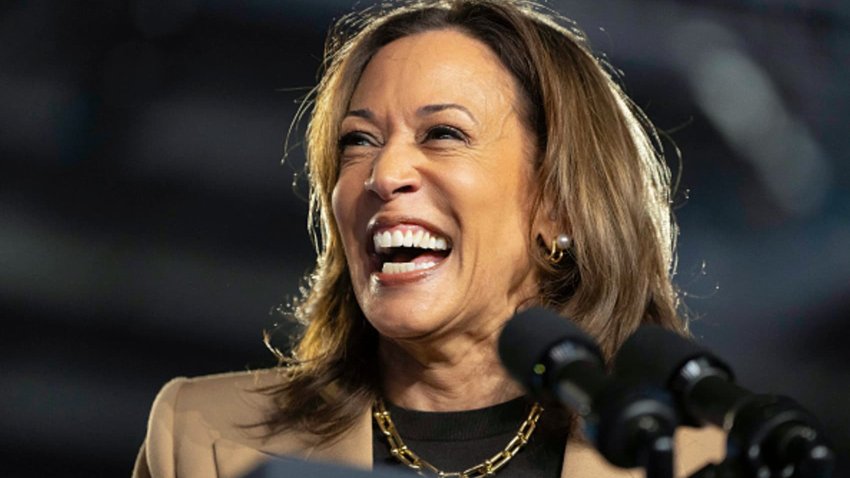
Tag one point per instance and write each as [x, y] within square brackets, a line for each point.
[397, 321]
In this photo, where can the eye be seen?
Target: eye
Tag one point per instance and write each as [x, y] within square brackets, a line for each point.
[445, 132]
[356, 138]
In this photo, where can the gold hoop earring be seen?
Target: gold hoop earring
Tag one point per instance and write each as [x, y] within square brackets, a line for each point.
[559, 245]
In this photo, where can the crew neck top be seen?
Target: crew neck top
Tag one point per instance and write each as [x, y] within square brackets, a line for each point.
[456, 441]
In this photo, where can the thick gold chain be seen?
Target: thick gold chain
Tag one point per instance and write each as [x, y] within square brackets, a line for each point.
[487, 468]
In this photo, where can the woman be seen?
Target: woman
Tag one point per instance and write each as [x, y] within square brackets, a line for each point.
[467, 158]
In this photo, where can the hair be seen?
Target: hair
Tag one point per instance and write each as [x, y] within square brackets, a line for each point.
[599, 167]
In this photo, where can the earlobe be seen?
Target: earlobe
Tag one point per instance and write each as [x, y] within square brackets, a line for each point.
[559, 245]
[552, 231]
[549, 224]
[555, 244]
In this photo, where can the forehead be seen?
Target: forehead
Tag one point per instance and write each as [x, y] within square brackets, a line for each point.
[441, 66]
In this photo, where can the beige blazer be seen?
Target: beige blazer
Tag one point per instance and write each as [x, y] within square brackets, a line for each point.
[196, 430]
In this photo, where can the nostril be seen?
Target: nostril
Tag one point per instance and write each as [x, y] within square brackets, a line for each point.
[393, 173]
[388, 186]
[405, 189]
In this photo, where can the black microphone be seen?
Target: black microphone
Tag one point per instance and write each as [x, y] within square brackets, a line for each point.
[630, 424]
[769, 435]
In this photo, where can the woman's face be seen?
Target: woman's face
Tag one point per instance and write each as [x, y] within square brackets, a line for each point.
[434, 190]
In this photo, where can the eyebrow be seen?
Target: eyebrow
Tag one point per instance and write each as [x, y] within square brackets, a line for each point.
[362, 113]
[431, 109]
[426, 110]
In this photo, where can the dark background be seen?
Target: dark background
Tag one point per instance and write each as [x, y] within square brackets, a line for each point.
[148, 229]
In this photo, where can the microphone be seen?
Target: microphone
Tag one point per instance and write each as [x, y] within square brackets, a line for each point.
[769, 435]
[631, 424]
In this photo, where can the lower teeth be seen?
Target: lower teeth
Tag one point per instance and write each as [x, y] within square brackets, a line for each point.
[398, 267]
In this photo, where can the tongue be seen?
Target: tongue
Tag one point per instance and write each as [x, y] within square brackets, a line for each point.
[431, 256]
[417, 255]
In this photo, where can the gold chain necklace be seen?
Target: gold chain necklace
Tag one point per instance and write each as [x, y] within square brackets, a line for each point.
[487, 468]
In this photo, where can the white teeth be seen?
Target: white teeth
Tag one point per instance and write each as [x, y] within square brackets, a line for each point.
[399, 267]
[420, 239]
[398, 238]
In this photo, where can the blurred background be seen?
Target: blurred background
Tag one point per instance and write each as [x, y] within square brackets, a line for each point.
[148, 229]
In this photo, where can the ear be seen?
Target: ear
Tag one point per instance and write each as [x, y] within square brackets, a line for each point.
[549, 222]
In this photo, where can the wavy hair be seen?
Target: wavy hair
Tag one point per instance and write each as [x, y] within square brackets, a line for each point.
[599, 164]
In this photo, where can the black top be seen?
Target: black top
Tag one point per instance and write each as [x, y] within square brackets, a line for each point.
[456, 441]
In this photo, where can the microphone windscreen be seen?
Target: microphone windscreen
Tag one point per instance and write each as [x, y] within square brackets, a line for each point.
[656, 355]
[530, 335]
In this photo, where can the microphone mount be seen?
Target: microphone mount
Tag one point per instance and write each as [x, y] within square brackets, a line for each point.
[631, 424]
[772, 437]
[769, 436]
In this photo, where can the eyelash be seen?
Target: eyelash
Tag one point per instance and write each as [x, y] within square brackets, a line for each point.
[355, 137]
[359, 138]
[445, 130]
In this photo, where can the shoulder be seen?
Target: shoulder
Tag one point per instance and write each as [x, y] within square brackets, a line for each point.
[694, 448]
[191, 417]
[220, 400]
[222, 404]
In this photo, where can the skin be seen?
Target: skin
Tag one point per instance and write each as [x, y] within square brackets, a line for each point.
[463, 171]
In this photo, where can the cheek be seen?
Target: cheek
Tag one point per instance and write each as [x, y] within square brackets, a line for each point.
[501, 199]
[336, 204]
[343, 198]
[342, 202]
[506, 216]
[346, 202]
[494, 215]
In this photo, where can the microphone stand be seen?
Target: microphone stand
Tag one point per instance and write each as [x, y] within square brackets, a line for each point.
[656, 454]
[769, 436]
[772, 437]
[630, 423]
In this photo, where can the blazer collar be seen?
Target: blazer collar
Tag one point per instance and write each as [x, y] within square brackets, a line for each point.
[233, 459]
[354, 448]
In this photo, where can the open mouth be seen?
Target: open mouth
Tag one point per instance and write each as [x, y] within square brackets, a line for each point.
[409, 248]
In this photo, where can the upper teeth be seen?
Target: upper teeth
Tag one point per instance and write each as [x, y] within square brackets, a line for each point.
[419, 238]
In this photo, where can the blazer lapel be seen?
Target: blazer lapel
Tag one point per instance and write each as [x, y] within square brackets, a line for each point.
[234, 460]
[353, 448]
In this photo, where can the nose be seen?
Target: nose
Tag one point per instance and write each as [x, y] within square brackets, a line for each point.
[394, 172]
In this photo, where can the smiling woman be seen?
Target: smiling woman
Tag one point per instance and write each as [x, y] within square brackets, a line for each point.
[431, 166]
[467, 158]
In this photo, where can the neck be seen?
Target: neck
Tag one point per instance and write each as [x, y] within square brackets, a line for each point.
[463, 373]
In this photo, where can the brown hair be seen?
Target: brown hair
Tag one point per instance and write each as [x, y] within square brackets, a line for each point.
[600, 170]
